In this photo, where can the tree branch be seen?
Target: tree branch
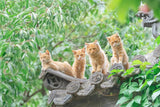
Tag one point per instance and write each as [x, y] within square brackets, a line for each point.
[85, 15]
[60, 42]
[28, 97]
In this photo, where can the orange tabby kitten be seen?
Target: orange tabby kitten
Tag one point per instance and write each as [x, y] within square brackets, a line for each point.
[79, 62]
[47, 62]
[119, 53]
[97, 57]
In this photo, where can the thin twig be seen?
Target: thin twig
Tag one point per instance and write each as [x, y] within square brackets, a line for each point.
[85, 15]
[28, 97]
[60, 42]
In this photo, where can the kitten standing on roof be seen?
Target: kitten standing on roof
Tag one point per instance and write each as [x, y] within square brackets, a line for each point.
[97, 57]
[119, 53]
[79, 62]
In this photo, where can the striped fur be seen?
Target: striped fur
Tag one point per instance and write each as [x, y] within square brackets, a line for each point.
[47, 62]
[119, 53]
[79, 63]
[97, 57]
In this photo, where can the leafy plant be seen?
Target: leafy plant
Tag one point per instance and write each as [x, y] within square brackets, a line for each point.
[142, 89]
[115, 71]
[142, 64]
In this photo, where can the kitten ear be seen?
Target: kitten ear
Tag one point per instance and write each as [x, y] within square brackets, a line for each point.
[117, 34]
[39, 53]
[47, 52]
[83, 49]
[95, 41]
[108, 38]
[87, 44]
[74, 52]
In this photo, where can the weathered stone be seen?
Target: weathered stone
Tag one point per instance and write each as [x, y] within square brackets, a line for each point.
[156, 52]
[96, 78]
[116, 66]
[94, 100]
[52, 82]
[140, 57]
[73, 87]
[109, 83]
[150, 21]
[87, 89]
[51, 96]
[61, 97]
[151, 58]
[42, 74]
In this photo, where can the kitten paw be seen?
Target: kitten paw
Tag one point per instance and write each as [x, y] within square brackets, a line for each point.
[43, 70]
[99, 70]
[93, 71]
[115, 62]
[120, 62]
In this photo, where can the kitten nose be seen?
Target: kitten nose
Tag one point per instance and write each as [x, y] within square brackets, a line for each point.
[79, 58]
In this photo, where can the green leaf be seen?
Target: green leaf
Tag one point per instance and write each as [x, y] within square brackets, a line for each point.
[123, 100]
[129, 71]
[114, 72]
[137, 62]
[146, 63]
[158, 40]
[4, 15]
[137, 99]
[133, 87]
[143, 85]
[156, 104]
[155, 94]
[146, 103]
[149, 82]
[130, 103]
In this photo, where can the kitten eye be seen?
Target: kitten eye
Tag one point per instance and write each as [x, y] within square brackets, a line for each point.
[90, 49]
[77, 55]
[94, 48]
[81, 54]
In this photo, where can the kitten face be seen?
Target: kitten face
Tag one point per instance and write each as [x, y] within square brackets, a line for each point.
[114, 40]
[92, 48]
[45, 57]
[79, 54]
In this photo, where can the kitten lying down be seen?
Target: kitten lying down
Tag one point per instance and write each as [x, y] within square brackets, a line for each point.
[47, 62]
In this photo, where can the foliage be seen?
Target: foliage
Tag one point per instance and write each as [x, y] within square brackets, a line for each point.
[30, 26]
[143, 89]
[158, 40]
[130, 70]
[115, 71]
[142, 64]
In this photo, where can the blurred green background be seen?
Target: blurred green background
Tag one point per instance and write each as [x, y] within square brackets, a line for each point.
[31, 26]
